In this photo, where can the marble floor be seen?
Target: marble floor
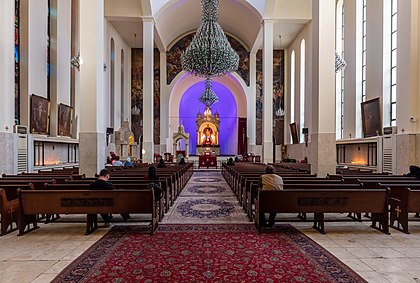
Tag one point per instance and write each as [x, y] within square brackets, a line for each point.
[40, 255]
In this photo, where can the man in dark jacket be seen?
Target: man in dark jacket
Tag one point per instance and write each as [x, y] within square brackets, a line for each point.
[103, 184]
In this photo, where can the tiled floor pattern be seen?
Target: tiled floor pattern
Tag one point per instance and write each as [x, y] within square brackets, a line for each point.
[40, 255]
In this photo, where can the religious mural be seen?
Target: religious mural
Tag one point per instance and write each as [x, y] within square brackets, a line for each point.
[278, 96]
[173, 57]
[137, 94]
[259, 99]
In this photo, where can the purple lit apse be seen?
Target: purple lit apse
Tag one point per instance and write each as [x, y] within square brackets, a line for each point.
[226, 107]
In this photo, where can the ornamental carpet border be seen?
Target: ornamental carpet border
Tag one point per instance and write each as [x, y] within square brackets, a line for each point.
[206, 253]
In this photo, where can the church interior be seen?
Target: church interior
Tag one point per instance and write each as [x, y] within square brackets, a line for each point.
[324, 91]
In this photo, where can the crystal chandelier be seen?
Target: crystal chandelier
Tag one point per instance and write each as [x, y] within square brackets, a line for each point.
[208, 97]
[209, 54]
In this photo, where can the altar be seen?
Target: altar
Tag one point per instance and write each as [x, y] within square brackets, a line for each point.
[208, 128]
[207, 161]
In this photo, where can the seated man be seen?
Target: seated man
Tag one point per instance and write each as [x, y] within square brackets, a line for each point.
[103, 184]
[270, 182]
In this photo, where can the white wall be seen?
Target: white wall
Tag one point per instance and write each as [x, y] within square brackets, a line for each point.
[305, 33]
[111, 32]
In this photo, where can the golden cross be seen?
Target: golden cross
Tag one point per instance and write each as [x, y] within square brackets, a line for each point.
[398, 210]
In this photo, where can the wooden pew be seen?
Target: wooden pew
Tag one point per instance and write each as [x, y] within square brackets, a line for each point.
[403, 200]
[118, 186]
[9, 206]
[89, 202]
[320, 201]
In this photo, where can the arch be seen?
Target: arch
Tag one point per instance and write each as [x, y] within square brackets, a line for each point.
[122, 86]
[184, 81]
[112, 84]
[292, 86]
[302, 87]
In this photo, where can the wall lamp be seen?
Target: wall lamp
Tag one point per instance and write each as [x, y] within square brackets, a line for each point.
[76, 61]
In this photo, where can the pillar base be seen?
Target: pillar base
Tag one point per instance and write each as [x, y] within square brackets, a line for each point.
[148, 155]
[8, 147]
[267, 152]
[92, 147]
[322, 155]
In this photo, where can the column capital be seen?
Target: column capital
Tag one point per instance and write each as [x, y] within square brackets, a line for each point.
[148, 20]
[268, 21]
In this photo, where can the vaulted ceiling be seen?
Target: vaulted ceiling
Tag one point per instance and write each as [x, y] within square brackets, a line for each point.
[241, 19]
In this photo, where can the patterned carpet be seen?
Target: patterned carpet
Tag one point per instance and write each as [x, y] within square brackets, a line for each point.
[206, 198]
[206, 253]
[206, 237]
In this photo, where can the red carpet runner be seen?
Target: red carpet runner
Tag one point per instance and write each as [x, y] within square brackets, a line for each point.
[206, 253]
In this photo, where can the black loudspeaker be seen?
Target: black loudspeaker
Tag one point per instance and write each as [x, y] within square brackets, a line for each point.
[305, 131]
[109, 131]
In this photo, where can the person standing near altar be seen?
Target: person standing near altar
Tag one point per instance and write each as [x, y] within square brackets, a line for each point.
[270, 182]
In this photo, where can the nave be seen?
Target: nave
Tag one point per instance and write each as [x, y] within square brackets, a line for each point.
[206, 199]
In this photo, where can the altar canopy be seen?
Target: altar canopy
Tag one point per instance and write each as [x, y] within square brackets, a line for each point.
[208, 128]
[226, 108]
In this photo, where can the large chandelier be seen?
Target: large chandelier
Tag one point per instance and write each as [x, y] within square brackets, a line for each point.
[209, 54]
[208, 97]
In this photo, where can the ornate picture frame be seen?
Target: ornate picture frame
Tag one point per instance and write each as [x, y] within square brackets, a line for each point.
[294, 133]
[371, 118]
[65, 122]
[40, 115]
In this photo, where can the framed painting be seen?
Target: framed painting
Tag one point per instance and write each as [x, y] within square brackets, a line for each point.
[40, 114]
[294, 133]
[371, 118]
[64, 120]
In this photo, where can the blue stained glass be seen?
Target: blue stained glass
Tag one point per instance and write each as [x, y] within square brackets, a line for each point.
[16, 53]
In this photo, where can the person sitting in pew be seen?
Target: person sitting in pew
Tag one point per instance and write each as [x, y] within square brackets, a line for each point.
[161, 164]
[230, 162]
[270, 182]
[103, 184]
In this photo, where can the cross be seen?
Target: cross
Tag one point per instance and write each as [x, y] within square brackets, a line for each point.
[398, 210]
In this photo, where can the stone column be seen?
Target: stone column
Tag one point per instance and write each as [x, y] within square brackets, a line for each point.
[7, 66]
[322, 152]
[7, 87]
[148, 121]
[92, 116]
[268, 27]
[252, 107]
[164, 105]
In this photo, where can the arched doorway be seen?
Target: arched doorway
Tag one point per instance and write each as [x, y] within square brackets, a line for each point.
[184, 106]
[226, 107]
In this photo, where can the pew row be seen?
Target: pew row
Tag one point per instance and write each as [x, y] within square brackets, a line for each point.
[321, 201]
[87, 202]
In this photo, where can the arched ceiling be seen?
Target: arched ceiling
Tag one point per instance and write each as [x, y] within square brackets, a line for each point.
[239, 18]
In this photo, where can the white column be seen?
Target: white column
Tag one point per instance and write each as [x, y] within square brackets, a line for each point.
[92, 111]
[252, 107]
[322, 155]
[164, 105]
[60, 33]
[7, 88]
[7, 66]
[148, 121]
[352, 74]
[268, 91]
[408, 102]
[374, 48]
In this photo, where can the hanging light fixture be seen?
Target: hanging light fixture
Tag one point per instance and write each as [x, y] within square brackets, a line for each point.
[209, 54]
[339, 62]
[208, 97]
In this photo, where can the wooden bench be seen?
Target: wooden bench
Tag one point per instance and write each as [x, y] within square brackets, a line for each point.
[9, 206]
[403, 200]
[320, 201]
[89, 202]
